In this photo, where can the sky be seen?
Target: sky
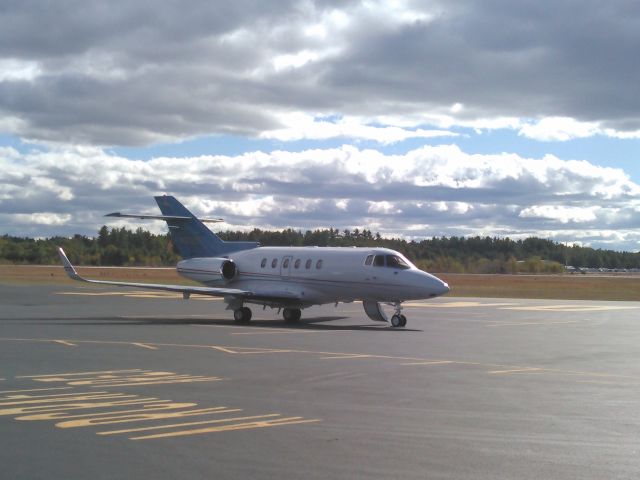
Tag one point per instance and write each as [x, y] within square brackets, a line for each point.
[409, 118]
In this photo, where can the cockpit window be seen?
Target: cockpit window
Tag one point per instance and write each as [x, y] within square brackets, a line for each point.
[378, 261]
[394, 261]
[368, 260]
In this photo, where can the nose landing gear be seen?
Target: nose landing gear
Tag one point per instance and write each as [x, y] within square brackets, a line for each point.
[398, 319]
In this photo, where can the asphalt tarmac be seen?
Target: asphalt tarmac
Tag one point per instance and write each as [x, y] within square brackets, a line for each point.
[107, 383]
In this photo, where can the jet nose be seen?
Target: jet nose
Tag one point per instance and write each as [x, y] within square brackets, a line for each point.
[438, 287]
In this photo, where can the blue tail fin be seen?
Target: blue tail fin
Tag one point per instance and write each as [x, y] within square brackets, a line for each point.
[191, 237]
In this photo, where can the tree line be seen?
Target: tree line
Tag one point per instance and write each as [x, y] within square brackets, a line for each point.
[125, 247]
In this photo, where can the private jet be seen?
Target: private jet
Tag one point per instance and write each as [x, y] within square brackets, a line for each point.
[287, 278]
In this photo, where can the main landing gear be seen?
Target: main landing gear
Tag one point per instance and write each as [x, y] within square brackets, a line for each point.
[242, 315]
[398, 319]
[291, 315]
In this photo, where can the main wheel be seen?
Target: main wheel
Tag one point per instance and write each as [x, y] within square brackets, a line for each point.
[291, 315]
[242, 315]
[403, 321]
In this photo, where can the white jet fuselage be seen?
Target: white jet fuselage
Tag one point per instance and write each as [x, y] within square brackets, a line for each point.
[318, 275]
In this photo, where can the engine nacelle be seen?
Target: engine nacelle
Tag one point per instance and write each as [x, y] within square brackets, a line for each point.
[208, 270]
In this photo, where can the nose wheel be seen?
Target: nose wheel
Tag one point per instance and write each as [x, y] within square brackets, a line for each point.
[398, 320]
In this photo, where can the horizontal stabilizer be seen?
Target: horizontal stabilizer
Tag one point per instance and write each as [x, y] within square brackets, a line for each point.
[161, 217]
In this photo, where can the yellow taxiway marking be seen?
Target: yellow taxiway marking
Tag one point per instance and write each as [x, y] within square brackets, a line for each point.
[569, 308]
[524, 324]
[108, 418]
[237, 426]
[334, 355]
[93, 294]
[436, 362]
[347, 356]
[144, 345]
[81, 373]
[223, 349]
[456, 304]
[518, 370]
[188, 424]
[35, 390]
[257, 327]
[64, 342]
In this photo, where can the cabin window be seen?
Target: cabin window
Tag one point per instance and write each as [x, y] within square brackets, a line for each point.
[264, 263]
[319, 264]
[285, 264]
[308, 264]
[274, 263]
[368, 260]
[297, 263]
[378, 261]
[394, 261]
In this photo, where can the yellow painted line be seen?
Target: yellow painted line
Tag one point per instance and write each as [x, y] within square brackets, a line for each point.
[570, 308]
[438, 362]
[35, 390]
[223, 349]
[524, 324]
[345, 357]
[187, 424]
[93, 294]
[143, 345]
[80, 373]
[332, 355]
[256, 333]
[160, 382]
[605, 382]
[456, 304]
[259, 327]
[116, 417]
[238, 426]
[149, 411]
[62, 397]
[64, 342]
[518, 370]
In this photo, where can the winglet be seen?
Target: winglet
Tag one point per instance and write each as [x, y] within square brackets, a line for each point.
[68, 267]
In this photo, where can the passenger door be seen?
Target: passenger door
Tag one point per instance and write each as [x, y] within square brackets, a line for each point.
[285, 266]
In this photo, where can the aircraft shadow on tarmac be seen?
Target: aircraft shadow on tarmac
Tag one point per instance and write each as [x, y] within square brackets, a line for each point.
[316, 323]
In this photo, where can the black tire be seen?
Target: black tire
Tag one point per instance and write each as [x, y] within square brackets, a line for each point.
[403, 321]
[291, 315]
[396, 321]
[242, 315]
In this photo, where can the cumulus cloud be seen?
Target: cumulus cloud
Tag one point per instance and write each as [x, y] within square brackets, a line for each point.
[429, 191]
[128, 74]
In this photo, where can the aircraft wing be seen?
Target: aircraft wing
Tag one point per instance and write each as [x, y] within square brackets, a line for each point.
[217, 292]
[271, 297]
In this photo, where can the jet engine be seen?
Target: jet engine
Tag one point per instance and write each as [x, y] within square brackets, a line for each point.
[208, 270]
